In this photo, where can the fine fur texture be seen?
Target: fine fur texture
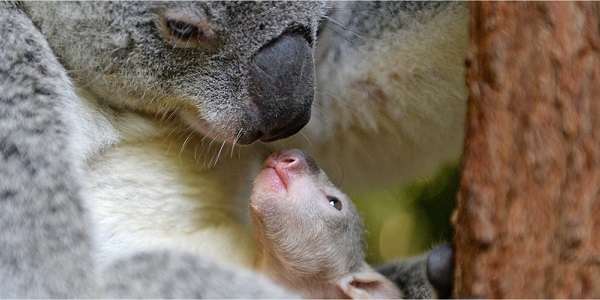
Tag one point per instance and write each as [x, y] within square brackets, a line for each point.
[120, 126]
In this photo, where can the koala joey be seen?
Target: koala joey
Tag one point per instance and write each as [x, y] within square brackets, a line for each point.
[310, 239]
[309, 234]
[121, 126]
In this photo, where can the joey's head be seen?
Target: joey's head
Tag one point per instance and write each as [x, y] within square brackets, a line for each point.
[237, 71]
[303, 223]
[309, 234]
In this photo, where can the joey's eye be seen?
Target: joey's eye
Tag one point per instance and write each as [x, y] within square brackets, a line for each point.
[335, 202]
[184, 31]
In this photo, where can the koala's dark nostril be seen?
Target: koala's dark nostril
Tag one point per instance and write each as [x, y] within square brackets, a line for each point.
[282, 86]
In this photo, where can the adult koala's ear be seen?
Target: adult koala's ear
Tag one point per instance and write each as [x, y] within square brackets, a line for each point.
[233, 71]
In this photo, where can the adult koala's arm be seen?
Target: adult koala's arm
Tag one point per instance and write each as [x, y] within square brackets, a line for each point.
[44, 244]
[390, 99]
[165, 274]
[427, 276]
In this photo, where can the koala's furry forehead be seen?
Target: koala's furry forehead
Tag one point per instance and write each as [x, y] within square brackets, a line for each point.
[237, 19]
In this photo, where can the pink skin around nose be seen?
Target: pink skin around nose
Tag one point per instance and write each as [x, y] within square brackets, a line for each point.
[283, 167]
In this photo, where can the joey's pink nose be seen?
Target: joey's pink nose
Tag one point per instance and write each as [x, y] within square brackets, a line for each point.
[293, 160]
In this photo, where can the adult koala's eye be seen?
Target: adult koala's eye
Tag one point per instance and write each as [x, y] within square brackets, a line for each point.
[184, 31]
[335, 202]
[189, 33]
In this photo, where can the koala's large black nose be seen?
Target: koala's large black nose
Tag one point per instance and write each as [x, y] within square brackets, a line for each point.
[282, 85]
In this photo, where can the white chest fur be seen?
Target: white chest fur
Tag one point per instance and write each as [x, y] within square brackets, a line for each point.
[153, 189]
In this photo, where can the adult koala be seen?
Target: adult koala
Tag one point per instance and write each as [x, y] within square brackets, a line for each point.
[164, 86]
[146, 140]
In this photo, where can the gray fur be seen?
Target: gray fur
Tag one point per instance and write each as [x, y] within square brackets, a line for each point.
[44, 239]
[409, 276]
[177, 275]
[108, 57]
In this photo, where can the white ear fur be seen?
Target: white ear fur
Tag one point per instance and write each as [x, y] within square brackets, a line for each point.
[368, 284]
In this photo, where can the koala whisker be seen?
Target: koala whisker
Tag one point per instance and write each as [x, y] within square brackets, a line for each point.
[184, 144]
[219, 154]
[336, 98]
[345, 39]
[196, 151]
[235, 140]
[345, 27]
[167, 115]
[212, 141]
[306, 138]
[144, 94]
[210, 162]
[210, 130]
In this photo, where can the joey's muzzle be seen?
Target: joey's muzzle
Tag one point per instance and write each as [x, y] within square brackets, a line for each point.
[282, 86]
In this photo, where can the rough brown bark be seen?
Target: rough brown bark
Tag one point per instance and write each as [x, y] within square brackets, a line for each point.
[528, 217]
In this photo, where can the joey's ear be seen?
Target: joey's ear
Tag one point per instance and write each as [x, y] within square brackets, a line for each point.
[368, 284]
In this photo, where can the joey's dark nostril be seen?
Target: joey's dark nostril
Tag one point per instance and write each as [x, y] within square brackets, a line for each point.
[289, 160]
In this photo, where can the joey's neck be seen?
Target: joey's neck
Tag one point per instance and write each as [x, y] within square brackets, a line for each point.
[310, 285]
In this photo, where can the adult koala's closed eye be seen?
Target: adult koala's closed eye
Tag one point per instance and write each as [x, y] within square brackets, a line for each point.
[213, 64]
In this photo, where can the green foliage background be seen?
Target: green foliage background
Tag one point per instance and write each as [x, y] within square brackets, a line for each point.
[410, 220]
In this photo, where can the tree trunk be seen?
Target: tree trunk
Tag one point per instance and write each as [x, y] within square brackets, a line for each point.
[528, 217]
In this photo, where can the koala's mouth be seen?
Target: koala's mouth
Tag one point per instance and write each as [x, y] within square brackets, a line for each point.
[205, 128]
[244, 136]
[274, 179]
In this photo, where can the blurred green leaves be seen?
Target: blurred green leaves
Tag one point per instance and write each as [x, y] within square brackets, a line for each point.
[410, 220]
